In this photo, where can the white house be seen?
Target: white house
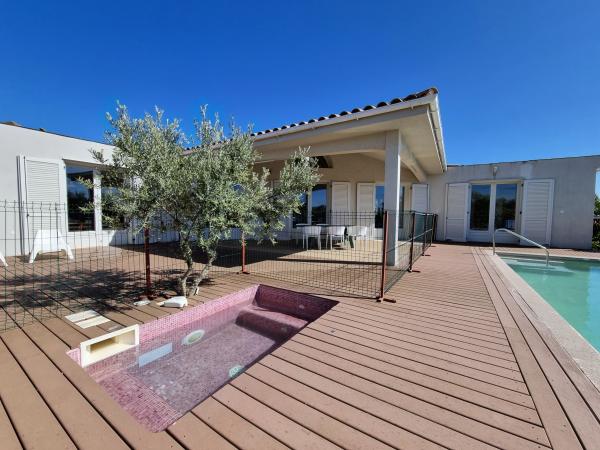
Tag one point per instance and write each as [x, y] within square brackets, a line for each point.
[387, 155]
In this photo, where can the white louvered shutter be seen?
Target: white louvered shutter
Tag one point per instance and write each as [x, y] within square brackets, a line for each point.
[365, 204]
[456, 211]
[420, 198]
[538, 202]
[340, 202]
[44, 197]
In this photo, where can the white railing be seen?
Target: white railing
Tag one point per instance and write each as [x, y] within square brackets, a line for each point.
[520, 236]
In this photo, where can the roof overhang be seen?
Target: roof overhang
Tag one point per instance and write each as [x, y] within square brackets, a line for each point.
[418, 121]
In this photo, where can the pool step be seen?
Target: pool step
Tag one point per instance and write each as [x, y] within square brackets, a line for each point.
[269, 323]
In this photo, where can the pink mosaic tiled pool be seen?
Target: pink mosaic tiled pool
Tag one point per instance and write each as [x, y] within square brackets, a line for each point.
[185, 357]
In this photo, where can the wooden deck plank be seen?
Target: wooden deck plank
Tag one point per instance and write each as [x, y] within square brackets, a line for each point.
[344, 412]
[467, 343]
[520, 406]
[33, 421]
[582, 418]
[195, 434]
[236, 429]
[407, 420]
[333, 430]
[466, 419]
[508, 379]
[446, 345]
[272, 422]
[419, 325]
[557, 425]
[8, 437]
[129, 430]
[84, 425]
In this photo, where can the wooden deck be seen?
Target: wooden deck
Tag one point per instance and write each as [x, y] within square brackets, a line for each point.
[454, 363]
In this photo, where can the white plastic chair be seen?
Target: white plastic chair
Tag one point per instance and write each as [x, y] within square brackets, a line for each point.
[297, 231]
[49, 241]
[313, 231]
[355, 232]
[335, 233]
[2, 260]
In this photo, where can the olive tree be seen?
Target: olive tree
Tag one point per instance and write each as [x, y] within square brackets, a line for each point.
[205, 184]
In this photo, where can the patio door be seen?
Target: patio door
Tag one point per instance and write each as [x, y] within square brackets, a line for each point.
[492, 206]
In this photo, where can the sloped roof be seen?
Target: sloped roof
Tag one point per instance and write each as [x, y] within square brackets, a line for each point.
[381, 104]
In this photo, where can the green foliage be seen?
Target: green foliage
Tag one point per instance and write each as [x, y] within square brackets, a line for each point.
[597, 206]
[204, 192]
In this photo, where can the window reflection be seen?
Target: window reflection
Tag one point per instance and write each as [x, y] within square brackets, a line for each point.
[78, 196]
[319, 204]
[506, 206]
[480, 206]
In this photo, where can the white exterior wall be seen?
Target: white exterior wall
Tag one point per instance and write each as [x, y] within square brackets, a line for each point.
[574, 188]
[17, 141]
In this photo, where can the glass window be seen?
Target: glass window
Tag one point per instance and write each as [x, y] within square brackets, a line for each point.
[302, 215]
[506, 206]
[319, 204]
[480, 206]
[78, 196]
[379, 208]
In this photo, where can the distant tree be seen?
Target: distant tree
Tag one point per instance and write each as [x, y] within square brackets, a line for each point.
[597, 206]
[205, 192]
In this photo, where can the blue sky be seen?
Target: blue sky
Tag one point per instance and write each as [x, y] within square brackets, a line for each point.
[517, 80]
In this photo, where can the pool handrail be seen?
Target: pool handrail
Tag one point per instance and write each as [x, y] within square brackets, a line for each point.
[520, 236]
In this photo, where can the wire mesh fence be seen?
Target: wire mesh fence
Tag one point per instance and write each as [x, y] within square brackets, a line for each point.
[53, 263]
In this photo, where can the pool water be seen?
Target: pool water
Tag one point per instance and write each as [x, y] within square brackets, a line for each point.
[572, 287]
[182, 359]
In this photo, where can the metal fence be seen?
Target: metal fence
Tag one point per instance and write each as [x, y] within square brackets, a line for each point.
[52, 265]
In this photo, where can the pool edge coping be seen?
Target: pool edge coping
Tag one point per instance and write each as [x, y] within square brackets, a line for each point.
[518, 254]
[538, 309]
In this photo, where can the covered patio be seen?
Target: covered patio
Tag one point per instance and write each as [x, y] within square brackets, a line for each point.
[371, 159]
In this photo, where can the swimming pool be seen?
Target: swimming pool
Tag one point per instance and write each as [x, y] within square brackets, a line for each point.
[183, 358]
[572, 287]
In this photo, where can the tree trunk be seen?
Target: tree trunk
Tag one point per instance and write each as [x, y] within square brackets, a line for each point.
[196, 280]
[186, 252]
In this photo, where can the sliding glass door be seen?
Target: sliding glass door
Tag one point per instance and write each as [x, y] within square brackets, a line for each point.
[492, 206]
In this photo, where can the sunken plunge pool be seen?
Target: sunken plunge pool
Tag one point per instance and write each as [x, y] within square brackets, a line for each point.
[183, 358]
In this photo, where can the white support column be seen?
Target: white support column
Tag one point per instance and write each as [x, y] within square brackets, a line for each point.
[391, 196]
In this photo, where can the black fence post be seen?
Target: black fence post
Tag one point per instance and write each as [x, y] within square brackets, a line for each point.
[383, 256]
[434, 230]
[412, 240]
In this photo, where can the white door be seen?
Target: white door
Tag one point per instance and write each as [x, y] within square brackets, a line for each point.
[420, 198]
[457, 195]
[340, 202]
[538, 202]
[42, 185]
